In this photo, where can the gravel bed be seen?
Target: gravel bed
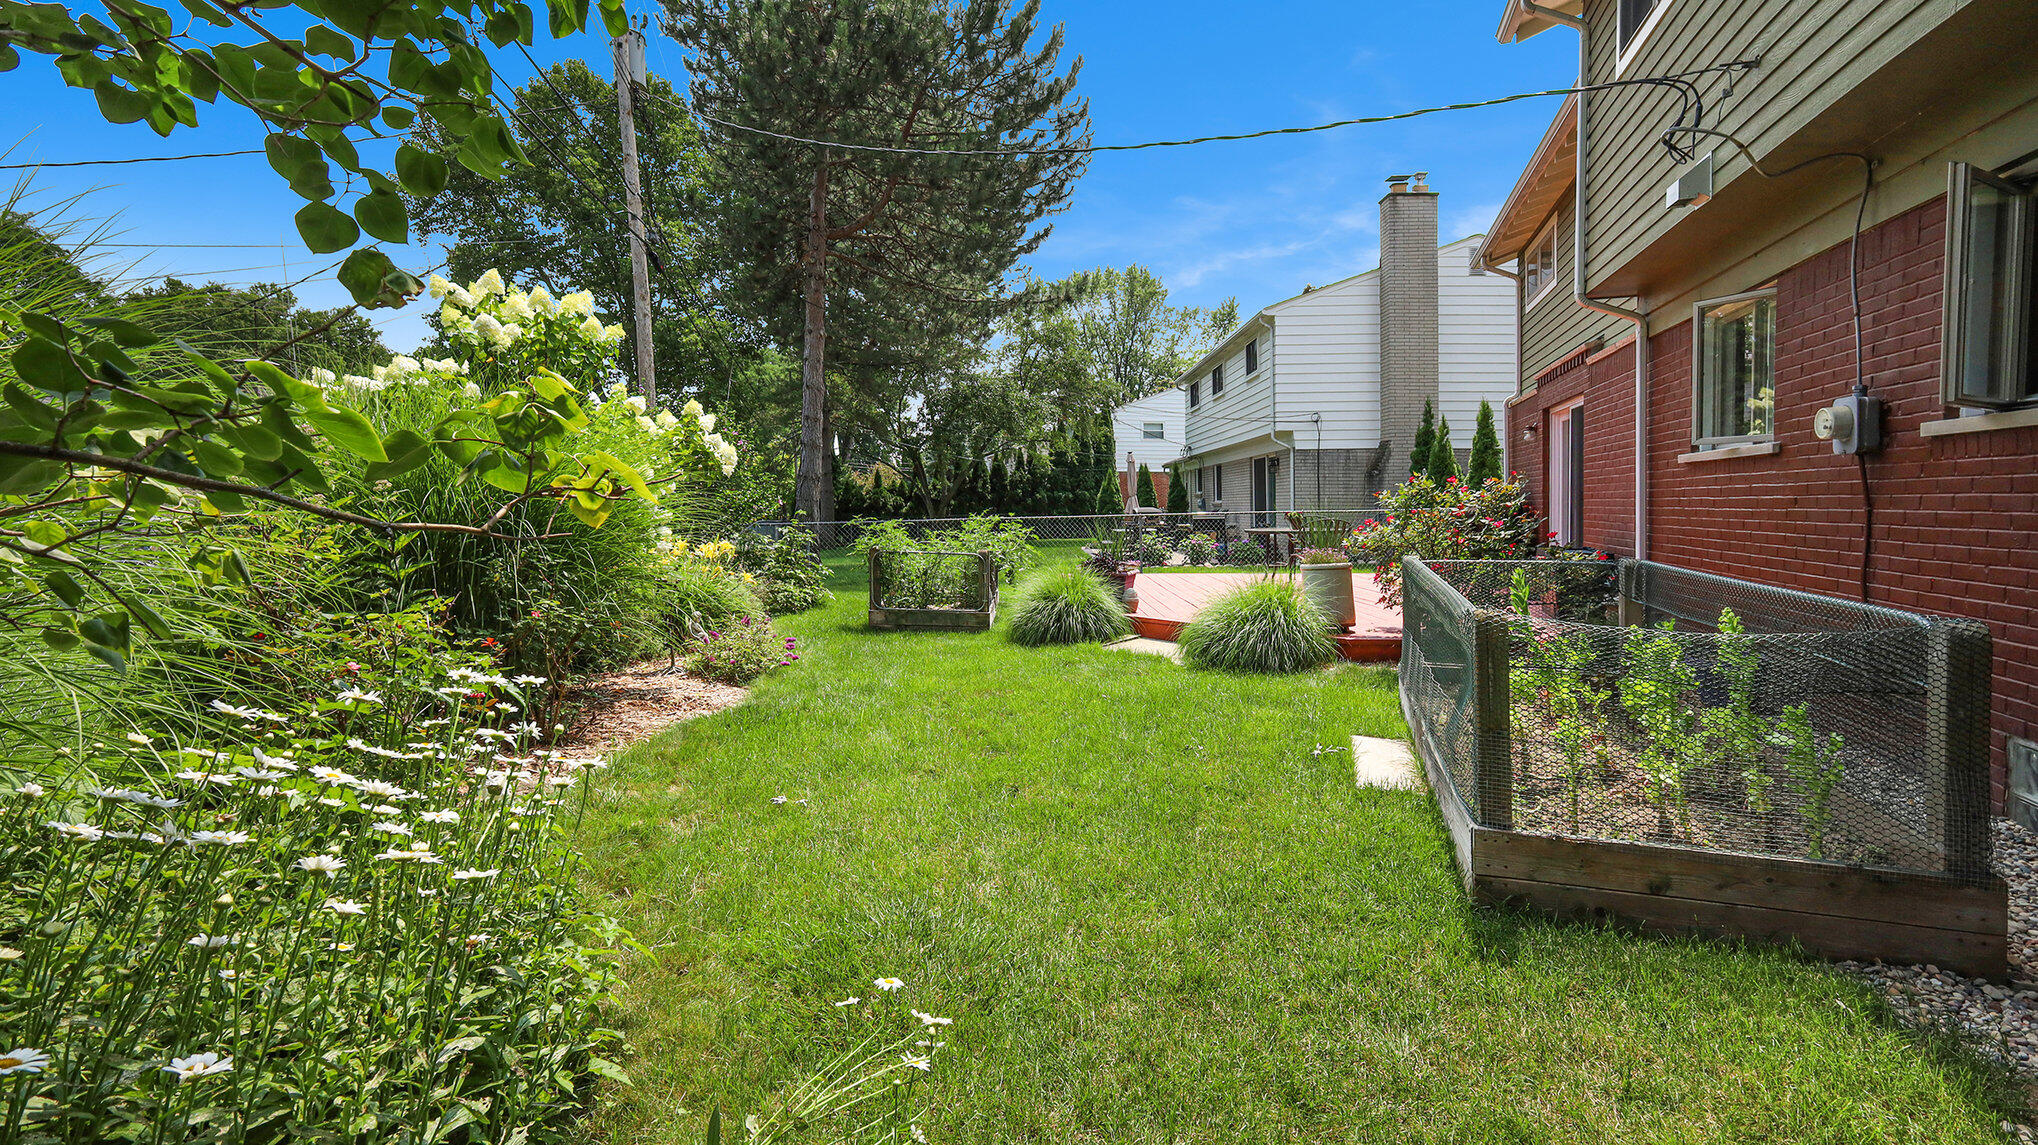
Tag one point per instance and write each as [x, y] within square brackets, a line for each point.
[2000, 1021]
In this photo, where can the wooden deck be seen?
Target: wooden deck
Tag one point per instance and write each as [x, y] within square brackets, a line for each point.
[1169, 600]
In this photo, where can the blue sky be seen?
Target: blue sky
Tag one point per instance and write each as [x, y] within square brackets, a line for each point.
[1255, 219]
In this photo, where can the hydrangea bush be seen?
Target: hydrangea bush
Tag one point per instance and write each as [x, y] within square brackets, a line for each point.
[350, 921]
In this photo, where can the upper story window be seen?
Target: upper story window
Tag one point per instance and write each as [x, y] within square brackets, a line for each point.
[1539, 266]
[1252, 356]
[1195, 394]
[1634, 15]
[1153, 429]
[1733, 379]
[1216, 381]
[1991, 300]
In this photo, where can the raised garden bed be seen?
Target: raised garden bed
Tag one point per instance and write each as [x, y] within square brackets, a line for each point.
[1694, 752]
[935, 590]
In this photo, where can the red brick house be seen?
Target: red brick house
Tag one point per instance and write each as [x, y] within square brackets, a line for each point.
[1714, 216]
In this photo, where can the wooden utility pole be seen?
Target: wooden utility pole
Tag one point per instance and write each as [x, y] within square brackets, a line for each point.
[628, 50]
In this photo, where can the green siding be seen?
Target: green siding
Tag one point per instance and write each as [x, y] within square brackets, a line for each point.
[1554, 327]
[1811, 51]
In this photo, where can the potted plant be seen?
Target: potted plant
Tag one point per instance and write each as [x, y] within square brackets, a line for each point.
[1107, 556]
[1326, 569]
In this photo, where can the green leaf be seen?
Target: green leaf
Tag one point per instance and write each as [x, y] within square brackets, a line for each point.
[124, 332]
[349, 430]
[217, 460]
[375, 282]
[33, 411]
[65, 586]
[399, 118]
[253, 440]
[63, 639]
[421, 172]
[106, 637]
[406, 449]
[325, 229]
[383, 215]
[326, 42]
[628, 474]
[148, 617]
[226, 501]
[9, 58]
[120, 105]
[715, 1126]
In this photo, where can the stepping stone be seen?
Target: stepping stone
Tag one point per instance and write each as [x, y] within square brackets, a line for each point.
[1383, 763]
[1150, 647]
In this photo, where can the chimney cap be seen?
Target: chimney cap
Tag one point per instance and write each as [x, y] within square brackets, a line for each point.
[1400, 182]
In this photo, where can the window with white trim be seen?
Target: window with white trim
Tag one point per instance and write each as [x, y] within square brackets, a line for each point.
[1986, 357]
[1216, 381]
[1633, 15]
[1733, 376]
[1252, 356]
[1153, 429]
[1539, 265]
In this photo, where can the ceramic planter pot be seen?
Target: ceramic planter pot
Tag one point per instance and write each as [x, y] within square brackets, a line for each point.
[1122, 584]
[1330, 586]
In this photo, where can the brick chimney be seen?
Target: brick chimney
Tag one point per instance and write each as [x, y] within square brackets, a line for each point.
[1408, 309]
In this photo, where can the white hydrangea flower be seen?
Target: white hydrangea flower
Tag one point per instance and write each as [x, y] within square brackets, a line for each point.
[692, 408]
[489, 283]
[542, 303]
[591, 328]
[516, 304]
[707, 423]
[647, 425]
[636, 403]
[579, 304]
[612, 334]
[461, 297]
[471, 390]
[437, 286]
[665, 421]
[507, 333]
[452, 319]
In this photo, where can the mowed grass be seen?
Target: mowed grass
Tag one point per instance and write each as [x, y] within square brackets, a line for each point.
[1156, 916]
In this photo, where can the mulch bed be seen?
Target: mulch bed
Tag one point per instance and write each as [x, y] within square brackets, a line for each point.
[618, 709]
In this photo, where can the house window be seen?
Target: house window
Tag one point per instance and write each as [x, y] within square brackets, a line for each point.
[1633, 15]
[1216, 381]
[1252, 356]
[1153, 429]
[1734, 376]
[1991, 302]
[1195, 394]
[1539, 266]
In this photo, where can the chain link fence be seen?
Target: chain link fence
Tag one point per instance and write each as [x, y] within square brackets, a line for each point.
[1636, 701]
[1154, 539]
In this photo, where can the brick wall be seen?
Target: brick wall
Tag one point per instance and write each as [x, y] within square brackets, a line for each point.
[1607, 382]
[1128, 478]
[1954, 516]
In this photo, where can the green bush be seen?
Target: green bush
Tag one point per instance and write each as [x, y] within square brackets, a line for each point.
[1065, 604]
[1270, 625]
[789, 572]
[702, 594]
[1448, 520]
[741, 651]
[1247, 551]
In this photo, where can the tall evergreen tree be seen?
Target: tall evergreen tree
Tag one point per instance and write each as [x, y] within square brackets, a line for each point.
[876, 228]
[1443, 460]
[1418, 453]
[1000, 488]
[1110, 501]
[1178, 491]
[1145, 487]
[1485, 459]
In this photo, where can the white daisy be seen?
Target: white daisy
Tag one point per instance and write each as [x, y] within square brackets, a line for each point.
[22, 1059]
[446, 816]
[327, 865]
[199, 1065]
[344, 906]
[82, 832]
[472, 873]
[219, 838]
[889, 984]
[209, 941]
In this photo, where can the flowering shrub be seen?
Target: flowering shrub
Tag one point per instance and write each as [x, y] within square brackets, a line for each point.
[498, 327]
[1448, 521]
[792, 578]
[340, 922]
[741, 652]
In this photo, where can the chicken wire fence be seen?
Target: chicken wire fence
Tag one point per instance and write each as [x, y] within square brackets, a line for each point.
[1244, 539]
[909, 579]
[1635, 701]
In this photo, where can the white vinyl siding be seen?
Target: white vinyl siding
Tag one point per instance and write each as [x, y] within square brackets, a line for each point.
[1475, 346]
[1129, 423]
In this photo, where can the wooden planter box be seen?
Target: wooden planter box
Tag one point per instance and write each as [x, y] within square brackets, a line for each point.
[975, 614]
[1957, 919]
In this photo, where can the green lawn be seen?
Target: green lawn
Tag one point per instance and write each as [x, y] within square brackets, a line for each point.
[1157, 917]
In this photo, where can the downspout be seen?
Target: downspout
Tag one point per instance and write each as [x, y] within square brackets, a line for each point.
[1579, 295]
[1274, 415]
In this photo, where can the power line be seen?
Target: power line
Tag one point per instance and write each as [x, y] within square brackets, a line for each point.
[136, 159]
[1679, 81]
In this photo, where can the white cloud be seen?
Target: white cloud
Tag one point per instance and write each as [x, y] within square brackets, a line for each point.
[1472, 220]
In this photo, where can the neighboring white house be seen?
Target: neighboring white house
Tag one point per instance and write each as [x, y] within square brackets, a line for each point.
[1314, 401]
[1149, 432]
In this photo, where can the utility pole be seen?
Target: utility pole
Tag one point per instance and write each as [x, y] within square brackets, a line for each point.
[628, 50]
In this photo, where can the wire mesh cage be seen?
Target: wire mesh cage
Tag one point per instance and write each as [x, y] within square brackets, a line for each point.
[925, 588]
[1640, 702]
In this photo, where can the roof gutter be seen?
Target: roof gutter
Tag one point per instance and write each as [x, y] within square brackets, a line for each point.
[1578, 285]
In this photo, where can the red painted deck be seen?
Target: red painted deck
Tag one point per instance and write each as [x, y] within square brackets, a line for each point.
[1168, 600]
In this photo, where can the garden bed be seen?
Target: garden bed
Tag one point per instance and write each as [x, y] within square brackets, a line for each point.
[1695, 752]
[935, 590]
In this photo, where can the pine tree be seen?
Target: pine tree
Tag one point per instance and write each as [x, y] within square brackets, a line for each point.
[1485, 459]
[1145, 487]
[1110, 502]
[821, 224]
[878, 507]
[1001, 488]
[1443, 460]
[1178, 492]
[1418, 454]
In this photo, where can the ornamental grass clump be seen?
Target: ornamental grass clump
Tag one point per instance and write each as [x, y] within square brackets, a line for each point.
[1269, 625]
[351, 920]
[1066, 604]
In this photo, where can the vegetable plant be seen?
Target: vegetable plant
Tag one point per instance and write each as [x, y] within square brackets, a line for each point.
[1735, 732]
[1813, 765]
[1653, 688]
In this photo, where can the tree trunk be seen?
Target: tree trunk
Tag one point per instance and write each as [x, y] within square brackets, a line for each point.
[831, 446]
[810, 490]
